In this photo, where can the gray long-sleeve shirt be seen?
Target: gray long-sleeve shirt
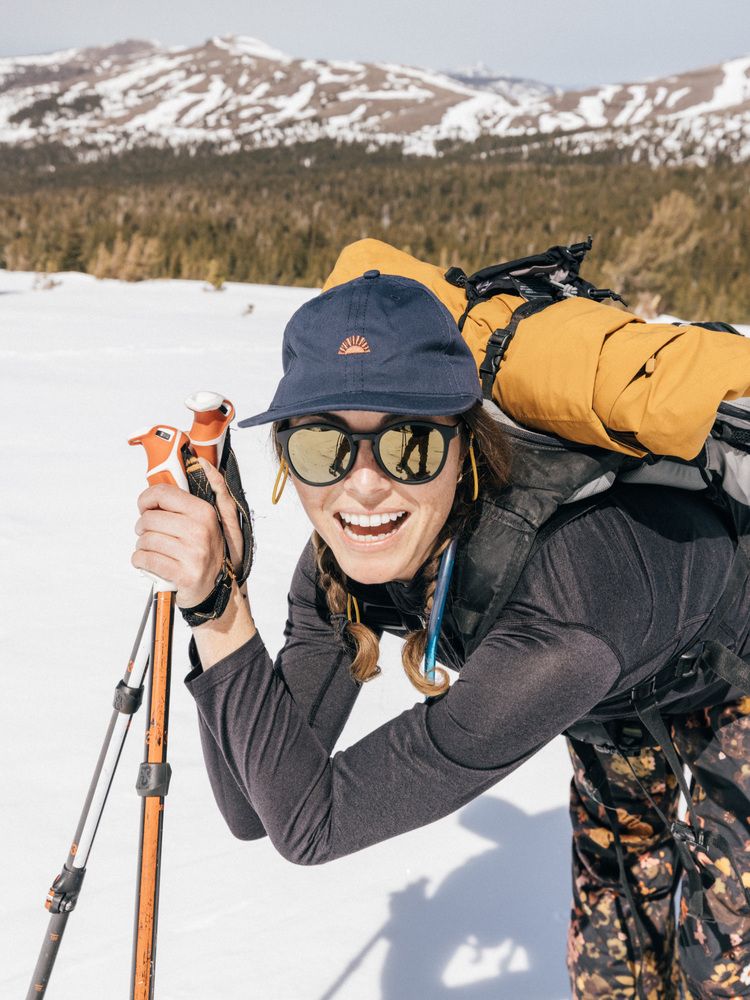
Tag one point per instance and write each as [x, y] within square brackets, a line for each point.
[602, 604]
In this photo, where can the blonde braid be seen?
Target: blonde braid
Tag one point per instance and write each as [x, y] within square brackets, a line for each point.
[365, 664]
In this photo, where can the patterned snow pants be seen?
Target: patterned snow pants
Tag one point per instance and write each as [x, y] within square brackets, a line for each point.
[700, 957]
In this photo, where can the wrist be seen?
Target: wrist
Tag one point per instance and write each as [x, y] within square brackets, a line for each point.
[222, 636]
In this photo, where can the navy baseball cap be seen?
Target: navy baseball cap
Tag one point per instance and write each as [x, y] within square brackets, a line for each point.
[380, 342]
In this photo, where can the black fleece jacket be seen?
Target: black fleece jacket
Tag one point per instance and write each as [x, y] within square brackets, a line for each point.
[601, 605]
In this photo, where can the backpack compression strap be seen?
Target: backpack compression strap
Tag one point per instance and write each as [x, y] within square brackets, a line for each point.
[498, 343]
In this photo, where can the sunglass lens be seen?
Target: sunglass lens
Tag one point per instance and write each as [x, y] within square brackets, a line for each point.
[412, 452]
[319, 455]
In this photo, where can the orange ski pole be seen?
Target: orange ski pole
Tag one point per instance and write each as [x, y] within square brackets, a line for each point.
[167, 450]
[170, 456]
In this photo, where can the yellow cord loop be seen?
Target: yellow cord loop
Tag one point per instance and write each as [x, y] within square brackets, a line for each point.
[278, 490]
[352, 601]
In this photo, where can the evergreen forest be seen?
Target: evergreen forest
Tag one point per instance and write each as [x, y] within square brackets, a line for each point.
[670, 239]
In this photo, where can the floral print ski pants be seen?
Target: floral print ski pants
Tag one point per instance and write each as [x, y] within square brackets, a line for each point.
[687, 958]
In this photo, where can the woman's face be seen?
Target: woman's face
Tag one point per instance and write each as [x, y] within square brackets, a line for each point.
[366, 489]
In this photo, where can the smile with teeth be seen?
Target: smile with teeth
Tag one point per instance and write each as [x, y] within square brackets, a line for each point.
[371, 527]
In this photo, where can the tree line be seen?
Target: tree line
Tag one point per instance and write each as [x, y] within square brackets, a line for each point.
[674, 239]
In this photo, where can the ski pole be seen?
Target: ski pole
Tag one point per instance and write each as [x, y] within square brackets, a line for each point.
[62, 897]
[167, 450]
[212, 415]
[170, 459]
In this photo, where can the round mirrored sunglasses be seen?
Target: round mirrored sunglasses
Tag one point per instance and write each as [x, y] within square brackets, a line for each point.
[410, 451]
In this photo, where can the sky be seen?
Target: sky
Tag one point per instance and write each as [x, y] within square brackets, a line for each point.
[569, 44]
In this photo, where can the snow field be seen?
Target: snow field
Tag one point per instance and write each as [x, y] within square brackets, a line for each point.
[474, 906]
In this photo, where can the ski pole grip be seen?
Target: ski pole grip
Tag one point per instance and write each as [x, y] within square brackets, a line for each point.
[166, 452]
[212, 415]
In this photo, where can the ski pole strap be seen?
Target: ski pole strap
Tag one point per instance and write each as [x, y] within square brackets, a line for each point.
[229, 468]
[200, 487]
[215, 604]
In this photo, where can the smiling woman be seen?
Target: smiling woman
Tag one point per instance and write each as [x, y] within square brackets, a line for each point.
[414, 496]
[376, 518]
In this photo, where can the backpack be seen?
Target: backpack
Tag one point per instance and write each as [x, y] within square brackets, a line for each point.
[589, 394]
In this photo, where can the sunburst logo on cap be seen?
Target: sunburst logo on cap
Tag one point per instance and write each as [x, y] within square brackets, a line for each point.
[354, 345]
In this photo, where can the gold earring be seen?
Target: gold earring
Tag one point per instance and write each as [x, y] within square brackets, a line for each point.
[278, 490]
[474, 466]
[475, 474]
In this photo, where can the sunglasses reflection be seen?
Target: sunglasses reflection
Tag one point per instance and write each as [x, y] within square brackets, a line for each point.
[411, 439]
[418, 440]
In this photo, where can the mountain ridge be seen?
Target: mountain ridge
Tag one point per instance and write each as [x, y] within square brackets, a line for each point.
[236, 92]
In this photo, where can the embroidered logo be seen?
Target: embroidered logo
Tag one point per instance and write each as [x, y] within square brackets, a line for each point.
[354, 345]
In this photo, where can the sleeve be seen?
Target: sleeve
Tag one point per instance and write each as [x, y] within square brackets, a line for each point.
[525, 683]
[313, 667]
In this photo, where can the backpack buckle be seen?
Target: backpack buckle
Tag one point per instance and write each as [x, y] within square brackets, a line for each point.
[497, 345]
[685, 834]
[688, 663]
[645, 692]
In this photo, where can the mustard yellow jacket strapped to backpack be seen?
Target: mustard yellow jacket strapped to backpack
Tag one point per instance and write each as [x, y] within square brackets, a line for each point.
[592, 373]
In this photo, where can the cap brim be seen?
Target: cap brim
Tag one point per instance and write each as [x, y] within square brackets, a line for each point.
[395, 402]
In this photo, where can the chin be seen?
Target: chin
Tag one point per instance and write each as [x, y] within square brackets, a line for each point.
[369, 569]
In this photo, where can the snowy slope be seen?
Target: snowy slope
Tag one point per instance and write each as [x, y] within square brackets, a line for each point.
[237, 92]
[474, 906]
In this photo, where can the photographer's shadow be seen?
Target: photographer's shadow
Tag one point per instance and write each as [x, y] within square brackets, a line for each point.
[495, 928]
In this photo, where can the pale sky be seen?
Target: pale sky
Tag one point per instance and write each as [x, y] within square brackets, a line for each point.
[568, 43]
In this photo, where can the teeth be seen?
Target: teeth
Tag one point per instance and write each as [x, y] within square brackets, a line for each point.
[371, 520]
[368, 538]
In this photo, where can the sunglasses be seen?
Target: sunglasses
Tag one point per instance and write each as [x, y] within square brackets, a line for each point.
[411, 451]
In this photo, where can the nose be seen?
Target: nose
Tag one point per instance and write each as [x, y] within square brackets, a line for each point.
[366, 479]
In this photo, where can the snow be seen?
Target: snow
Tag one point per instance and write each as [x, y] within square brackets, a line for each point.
[733, 90]
[475, 905]
[144, 101]
[676, 96]
[292, 105]
[247, 46]
[593, 106]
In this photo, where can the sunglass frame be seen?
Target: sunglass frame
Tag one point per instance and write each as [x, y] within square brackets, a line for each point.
[447, 432]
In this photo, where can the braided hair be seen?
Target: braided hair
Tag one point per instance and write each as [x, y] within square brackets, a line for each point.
[493, 465]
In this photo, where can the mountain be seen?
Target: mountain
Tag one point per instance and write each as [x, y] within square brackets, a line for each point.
[237, 92]
[514, 88]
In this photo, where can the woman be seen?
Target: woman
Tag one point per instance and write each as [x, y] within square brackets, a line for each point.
[378, 421]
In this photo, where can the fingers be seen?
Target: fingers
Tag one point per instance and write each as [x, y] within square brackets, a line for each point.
[167, 497]
[166, 522]
[159, 565]
[156, 541]
[180, 540]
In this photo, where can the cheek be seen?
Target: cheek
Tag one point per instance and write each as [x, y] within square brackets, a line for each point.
[313, 499]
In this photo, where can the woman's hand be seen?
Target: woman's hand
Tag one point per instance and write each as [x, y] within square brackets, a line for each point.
[180, 540]
[180, 537]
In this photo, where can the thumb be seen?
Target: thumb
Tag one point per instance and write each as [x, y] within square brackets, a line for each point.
[227, 511]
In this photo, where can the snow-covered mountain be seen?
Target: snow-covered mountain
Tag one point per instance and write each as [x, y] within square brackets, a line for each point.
[514, 88]
[238, 92]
